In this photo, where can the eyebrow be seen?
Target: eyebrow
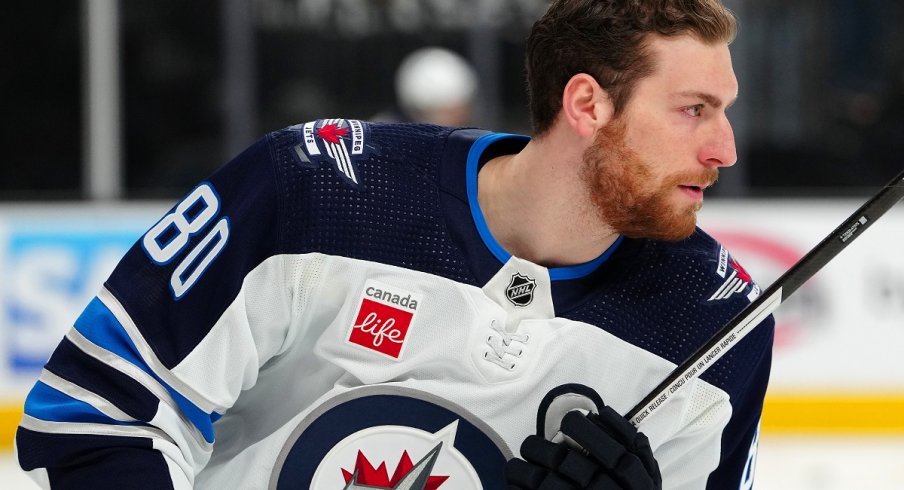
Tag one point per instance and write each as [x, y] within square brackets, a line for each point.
[708, 98]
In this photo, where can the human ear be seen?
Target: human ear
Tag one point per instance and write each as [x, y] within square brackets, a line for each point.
[585, 105]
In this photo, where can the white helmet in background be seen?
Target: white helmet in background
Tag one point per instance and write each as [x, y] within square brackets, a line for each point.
[431, 80]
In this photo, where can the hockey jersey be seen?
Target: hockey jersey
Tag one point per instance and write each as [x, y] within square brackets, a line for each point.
[329, 310]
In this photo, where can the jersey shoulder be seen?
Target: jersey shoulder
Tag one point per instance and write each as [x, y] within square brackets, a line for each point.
[357, 154]
[716, 265]
[721, 289]
[366, 190]
[696, 271]
[670, 298]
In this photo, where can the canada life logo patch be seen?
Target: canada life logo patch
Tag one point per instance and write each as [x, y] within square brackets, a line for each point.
[384, 318]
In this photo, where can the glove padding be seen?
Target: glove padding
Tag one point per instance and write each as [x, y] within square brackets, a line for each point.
[615, 456]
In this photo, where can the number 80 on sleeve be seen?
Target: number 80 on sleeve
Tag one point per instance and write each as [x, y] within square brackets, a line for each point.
[169, 238]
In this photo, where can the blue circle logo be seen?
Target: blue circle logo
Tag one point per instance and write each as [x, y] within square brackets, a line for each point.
[392, 438]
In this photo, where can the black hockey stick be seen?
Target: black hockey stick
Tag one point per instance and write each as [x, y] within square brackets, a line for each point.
[751, 316]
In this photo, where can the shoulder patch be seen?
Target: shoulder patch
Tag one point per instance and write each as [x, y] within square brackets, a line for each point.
[339, 143]
[737, 280]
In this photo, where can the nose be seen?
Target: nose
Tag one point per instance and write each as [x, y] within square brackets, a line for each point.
[719, 150]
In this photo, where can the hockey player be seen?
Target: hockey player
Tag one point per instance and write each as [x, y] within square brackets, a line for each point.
[357, 305]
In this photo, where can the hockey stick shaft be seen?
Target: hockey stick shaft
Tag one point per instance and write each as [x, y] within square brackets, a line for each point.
[757, 311]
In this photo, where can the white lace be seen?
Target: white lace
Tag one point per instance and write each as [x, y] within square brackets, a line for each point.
[502, 344]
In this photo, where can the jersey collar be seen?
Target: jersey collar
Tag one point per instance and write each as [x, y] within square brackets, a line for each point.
[474, 163]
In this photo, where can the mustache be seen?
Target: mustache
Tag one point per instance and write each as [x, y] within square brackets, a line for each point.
[705, 177]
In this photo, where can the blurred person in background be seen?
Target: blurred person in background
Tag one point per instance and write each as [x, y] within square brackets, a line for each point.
[433, 85]
[352, 304]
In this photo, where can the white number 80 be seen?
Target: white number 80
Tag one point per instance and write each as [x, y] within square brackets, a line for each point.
[177, 227]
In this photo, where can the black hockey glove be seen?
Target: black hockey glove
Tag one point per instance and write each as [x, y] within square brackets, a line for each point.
[615, 456]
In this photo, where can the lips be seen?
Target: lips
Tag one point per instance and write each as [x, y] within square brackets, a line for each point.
[695, 188]
[693, 184]
[698, 184]
[695, 192]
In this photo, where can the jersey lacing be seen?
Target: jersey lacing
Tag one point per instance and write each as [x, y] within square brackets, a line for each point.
[503, 343]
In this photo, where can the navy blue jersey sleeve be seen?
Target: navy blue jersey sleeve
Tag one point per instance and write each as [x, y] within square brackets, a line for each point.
[130, 396]
[697, 287]
[741, 436]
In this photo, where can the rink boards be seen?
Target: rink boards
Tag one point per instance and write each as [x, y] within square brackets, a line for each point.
[837, 366]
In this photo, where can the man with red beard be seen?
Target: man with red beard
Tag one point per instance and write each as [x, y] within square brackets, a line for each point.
[371, 305]
[628, 105]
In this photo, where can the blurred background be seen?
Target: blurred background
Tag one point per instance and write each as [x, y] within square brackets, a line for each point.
[113, 109]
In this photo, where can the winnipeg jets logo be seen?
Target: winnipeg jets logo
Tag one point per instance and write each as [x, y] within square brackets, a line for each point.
[520, 291]
[337, 141]
[736, 282]
[407, 476]
[438, 461]
[723, 262]
[392, 438]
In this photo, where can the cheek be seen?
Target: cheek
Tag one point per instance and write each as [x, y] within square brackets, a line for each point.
[653, 141]
[664, 148]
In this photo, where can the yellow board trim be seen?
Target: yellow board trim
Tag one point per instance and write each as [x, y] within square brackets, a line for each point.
[10, 415]
[783, 414]
[833, 414]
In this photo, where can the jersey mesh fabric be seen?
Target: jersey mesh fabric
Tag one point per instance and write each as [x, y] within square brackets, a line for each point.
[661, 311]
[391, 218]
[306, 272]
[392, 212]
[699, 413]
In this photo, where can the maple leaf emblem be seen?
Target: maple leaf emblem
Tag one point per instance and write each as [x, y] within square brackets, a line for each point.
[405, 476]
[742, 274]
[331, 133]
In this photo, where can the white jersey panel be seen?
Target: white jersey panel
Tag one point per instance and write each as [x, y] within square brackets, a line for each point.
[181, 474]
[379, 325]
[689, 455]
[234, 349]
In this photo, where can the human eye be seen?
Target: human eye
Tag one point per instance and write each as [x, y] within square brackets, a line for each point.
[694, 110]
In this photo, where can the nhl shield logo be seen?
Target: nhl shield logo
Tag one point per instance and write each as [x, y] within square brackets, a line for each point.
[520, 291]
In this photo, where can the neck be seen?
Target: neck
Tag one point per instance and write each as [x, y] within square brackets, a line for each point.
[537, 207]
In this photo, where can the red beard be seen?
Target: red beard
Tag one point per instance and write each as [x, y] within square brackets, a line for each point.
[626, 195]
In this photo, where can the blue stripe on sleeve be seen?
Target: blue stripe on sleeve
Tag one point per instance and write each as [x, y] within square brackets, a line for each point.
[98, 324]
[48, 403]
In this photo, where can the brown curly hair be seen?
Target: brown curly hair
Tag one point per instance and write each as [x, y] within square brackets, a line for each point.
[605, 39]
